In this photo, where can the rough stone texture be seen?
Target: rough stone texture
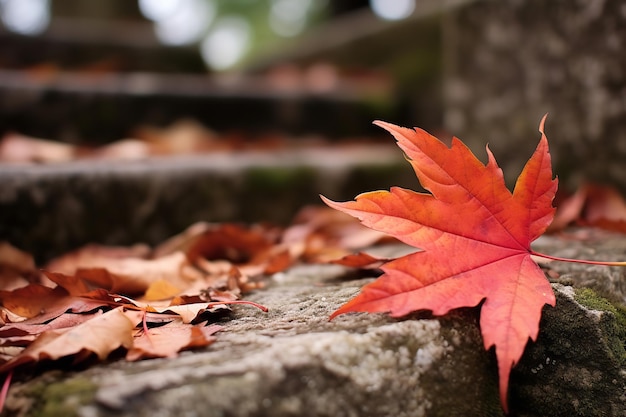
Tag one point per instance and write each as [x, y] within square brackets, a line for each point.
[590, 244]
[509, 62]
[292, 362]
[49, 209]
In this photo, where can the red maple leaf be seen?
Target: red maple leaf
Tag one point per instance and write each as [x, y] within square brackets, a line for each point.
[475, 238]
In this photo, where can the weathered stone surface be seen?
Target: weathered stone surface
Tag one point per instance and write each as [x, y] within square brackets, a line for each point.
[590, 244]
[509, 62]
[292, 361]
[50, 209]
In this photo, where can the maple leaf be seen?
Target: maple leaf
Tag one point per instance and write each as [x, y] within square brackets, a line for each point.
[475, 238]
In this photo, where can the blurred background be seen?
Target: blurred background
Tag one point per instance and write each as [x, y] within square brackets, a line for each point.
[94, 70]
[483, 70]
[131, 79]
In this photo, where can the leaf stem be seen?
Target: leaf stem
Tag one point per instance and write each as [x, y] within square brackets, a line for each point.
[578, 261]
[146, 330]
[259, 306]
[5, 389]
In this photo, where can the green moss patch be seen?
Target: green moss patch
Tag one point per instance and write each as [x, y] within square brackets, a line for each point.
[62, 398]
[614, 328]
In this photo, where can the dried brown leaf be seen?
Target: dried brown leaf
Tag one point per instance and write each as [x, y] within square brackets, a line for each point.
[91, 256]
[133, 276]
[166, 341]
[100, 335]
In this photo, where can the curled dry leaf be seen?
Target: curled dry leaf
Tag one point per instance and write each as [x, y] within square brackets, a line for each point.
[60, 322]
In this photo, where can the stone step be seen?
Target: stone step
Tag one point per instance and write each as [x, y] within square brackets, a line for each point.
[49, 209]
[292, 361]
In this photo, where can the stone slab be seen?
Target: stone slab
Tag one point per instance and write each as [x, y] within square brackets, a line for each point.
[292, 361]
[50, 209]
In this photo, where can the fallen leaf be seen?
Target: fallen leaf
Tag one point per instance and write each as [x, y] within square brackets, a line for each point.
[185, 136]
[592, 205]
[235, 243]
[161, 290]
[19, 148]
[100, 335]
[31, 300]
[166, 341]
[72, 284]
[125, 149]
[15, 259]
[322, 235]
[37, 304]
[134, 276]
[182, 241]
[17, 268]
[475, 236]
[60, 322]
[361, 260]
[95, 256]
[187, 312]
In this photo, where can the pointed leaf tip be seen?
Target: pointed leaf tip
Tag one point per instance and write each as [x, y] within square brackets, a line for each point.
[542, 123]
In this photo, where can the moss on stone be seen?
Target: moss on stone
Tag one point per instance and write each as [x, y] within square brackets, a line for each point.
[62, 398]
[614, 329]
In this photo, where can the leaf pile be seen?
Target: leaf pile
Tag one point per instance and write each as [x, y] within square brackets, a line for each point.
[153, 302]
[183, 137]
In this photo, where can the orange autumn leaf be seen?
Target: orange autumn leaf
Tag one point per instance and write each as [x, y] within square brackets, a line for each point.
[31, 300]
[475, 238]
[100, 335]
[161, 290]
[72, 284]
[134, 275]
